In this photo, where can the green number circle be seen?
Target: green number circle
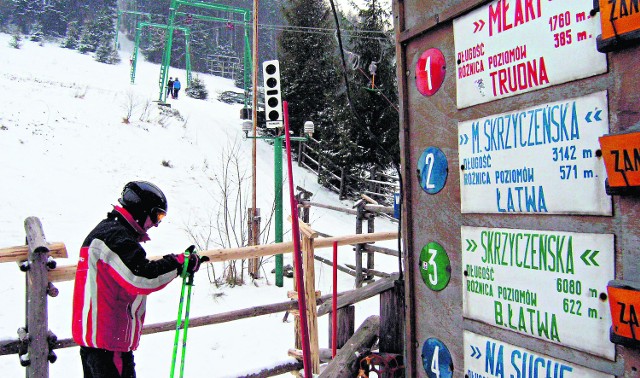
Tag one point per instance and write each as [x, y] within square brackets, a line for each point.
[435, 266]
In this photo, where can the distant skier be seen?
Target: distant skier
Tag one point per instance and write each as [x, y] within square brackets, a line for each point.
[176, 87]
[170, 87]
[113, 280]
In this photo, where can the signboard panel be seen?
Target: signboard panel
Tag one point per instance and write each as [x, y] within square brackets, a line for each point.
[624, 302]
[619, 17]
[621, 155]
[544, 284]
[489, 358]
[510, 47]
[540, 160]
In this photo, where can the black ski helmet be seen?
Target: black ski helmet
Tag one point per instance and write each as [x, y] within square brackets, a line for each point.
[142, 198]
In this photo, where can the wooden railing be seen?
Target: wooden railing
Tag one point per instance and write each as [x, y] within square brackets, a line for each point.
[378, 185]
[35, 344]
[366, 209]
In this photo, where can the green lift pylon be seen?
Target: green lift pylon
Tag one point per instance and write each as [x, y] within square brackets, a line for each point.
[136, 47]
[166, 57]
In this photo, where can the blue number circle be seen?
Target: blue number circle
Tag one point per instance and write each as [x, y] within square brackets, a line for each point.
[433, 169]
[436, 359]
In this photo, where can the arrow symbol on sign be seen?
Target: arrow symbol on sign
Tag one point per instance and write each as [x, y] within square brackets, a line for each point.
[475, 352]
[589, 256]
[478, 25]
[471, 245]
[464, 138]
[596, 116]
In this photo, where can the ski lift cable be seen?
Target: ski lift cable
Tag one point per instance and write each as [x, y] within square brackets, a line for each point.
[369, 133]
[381, 93]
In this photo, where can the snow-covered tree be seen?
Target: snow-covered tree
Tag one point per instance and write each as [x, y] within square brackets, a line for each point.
[106, 53]
[197, 89]
[71, 40]
[308, 65]
[36, 32]
[16, 41]
[372, 122]
[54, 18]
[26, 13]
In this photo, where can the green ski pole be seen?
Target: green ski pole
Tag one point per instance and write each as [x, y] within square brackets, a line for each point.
[179, 319]
[186, 324]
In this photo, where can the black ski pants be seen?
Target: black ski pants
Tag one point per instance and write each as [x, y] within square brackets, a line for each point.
[101, 363]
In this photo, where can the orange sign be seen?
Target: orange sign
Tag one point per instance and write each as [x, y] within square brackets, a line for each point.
[624, 302]
[622, 159]
[619, 17]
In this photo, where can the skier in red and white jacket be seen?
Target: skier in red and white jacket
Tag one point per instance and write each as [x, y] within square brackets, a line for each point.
[113, 280]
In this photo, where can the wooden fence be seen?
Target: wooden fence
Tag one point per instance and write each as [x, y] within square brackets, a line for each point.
[366, 209]
[378, 185]
[36, 343]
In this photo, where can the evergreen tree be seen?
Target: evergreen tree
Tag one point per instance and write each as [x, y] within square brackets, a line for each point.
[36, 32]
[71, 40]
[197, 89]
[87, 40]
[54, 18]
[16, 41]
[7, 7]
[308, 66]
[106, 53]
[99, 29]
[373, 123]
[26, 13]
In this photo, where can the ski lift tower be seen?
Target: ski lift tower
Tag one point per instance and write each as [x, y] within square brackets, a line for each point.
[173, 11]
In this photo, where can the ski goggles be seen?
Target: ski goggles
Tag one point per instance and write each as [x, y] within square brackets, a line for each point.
[157, 214]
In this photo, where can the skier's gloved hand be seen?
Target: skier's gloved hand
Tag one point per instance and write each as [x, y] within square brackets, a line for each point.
[194, 260]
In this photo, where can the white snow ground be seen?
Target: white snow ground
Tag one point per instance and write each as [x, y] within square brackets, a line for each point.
[65, 155]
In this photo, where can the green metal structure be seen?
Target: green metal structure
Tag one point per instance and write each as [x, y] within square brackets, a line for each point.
[119, 20]
[173, 12]
[277, 182]
[136, 47]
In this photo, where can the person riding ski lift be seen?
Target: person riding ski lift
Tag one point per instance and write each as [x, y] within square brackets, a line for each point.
[114, 277]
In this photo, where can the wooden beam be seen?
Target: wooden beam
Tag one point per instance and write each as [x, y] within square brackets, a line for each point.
[346, 326]
[306, 230]
[383, 250]
[11, 346]
[310, 295]
[345, 365]
[66, 273]
[19, 253]
[371, 271]
[282, 368]
[291, 294]
[340, 267]
[357, 295]
[325, 354]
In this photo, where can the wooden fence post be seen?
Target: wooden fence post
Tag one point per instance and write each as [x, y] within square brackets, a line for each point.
[301, 147]
[346, 325]
[371, 217]
[254, 262]
[36, 306]
[319, 159]
[391, 319]
[343, 184]
[359, 247]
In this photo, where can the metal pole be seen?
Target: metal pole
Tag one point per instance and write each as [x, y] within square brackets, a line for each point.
[136, 46]
[254, 114]
[187, 39]
[277, 179]
[166, 58]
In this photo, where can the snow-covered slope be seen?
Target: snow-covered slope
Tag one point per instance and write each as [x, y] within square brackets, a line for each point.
[65, 154]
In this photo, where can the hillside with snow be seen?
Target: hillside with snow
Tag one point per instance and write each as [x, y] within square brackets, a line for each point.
[65, 154]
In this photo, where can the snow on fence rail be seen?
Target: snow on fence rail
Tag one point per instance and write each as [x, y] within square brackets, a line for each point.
[36, 343]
